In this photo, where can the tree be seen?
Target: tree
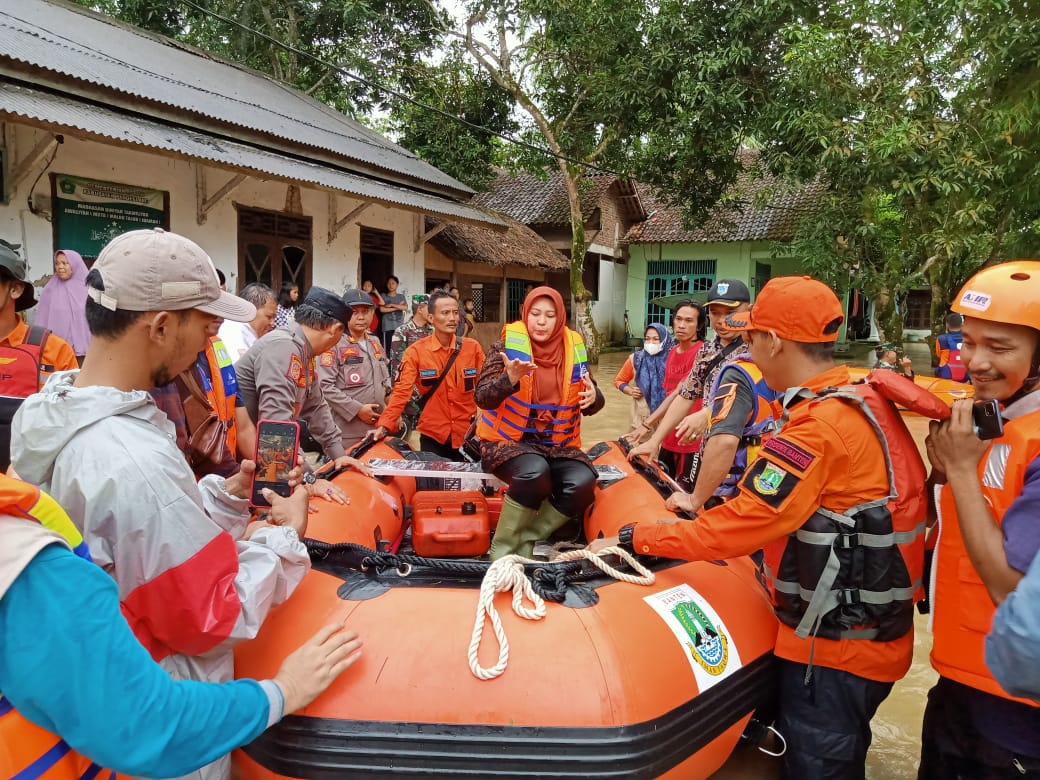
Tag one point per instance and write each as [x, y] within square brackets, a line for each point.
[379, 40]
[921, 117]
[455, 87]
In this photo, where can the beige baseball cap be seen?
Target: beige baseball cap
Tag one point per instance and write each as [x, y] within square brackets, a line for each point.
[153, 270]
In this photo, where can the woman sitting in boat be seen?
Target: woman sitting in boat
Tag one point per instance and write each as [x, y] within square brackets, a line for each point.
[533, 389]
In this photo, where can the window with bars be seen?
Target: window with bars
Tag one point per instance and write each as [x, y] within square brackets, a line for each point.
[516, 291]
[666, 278]
[273, 248]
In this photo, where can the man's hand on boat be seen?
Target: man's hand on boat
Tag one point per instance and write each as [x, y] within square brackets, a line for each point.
[344, 462]
[679, 501]
[692, 427]
[648, 449]
[311, 668]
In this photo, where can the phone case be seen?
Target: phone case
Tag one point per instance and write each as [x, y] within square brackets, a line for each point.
[277, 445]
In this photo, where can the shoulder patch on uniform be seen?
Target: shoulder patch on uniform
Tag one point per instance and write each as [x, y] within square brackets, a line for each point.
[769, 482]
[296, 371]
[789, 452]
[327, 359]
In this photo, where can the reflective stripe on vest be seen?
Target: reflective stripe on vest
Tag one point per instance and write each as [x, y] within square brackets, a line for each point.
[962, 609]
[764, 414]
[27, 751]
[512, 419]
[222, 388]
[880, 542]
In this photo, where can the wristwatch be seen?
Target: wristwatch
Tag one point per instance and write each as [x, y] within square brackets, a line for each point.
[624, 537]
[309, 478]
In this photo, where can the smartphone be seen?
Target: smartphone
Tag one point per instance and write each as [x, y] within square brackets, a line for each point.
[986, 419]
[277, 442]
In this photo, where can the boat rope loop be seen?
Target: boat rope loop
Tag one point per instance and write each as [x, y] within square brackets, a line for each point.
[508, 574]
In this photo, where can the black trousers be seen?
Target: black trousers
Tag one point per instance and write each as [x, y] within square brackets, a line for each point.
[826, 723]
[443, 449]
[952, 747]
[567, 483]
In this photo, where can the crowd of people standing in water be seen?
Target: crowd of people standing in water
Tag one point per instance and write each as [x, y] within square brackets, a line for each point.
[132, 426]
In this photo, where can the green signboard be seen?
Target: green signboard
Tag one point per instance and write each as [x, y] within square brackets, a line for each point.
[89, 213]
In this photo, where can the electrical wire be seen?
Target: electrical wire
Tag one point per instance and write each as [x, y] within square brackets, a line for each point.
[398, 94]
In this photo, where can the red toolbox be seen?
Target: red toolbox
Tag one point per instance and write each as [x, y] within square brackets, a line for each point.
[450, 523]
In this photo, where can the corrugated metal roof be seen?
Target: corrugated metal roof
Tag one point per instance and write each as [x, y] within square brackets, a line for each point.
[77, 44]
[64, 112]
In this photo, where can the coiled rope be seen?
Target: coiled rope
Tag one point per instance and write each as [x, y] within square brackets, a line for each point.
[507, 574]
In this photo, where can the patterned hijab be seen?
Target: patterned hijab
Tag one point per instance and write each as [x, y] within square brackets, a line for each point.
[650, 368]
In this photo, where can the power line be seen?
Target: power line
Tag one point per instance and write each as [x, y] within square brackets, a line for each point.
[397, 94]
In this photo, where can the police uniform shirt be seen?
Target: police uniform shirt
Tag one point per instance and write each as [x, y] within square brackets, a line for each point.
[353, 374]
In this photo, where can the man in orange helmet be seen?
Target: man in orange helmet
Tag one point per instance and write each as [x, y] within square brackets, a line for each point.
[988, 532]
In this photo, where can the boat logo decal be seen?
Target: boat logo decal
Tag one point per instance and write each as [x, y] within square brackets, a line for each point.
[710, 647]
[705, 641]
[768, 482]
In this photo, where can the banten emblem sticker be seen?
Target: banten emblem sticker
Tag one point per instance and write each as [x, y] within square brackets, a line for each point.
[705, 640]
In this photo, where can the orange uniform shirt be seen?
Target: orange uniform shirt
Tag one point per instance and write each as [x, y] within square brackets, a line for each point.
[844, 466]
[625, 374]
[57, 354]
[451, 408]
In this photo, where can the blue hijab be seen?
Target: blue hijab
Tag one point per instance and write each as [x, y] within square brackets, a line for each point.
[650, 368]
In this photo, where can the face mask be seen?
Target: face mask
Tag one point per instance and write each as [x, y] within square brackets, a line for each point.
[652, 347]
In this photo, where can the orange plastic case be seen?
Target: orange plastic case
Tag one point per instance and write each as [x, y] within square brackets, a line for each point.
[450, 523]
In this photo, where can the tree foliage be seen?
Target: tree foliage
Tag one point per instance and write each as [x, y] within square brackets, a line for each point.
[454, 86]
[921, 118]
[379, 40]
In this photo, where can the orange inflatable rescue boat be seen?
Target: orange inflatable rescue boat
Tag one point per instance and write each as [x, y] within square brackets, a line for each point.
[617, 680]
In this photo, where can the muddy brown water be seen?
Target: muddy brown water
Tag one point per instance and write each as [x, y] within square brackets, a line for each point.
[897, 725]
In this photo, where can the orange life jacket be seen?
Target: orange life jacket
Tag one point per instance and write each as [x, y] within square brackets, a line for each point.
[962, 610]
[27, 750]
[866, 564]
[512, 419]
[222, 389]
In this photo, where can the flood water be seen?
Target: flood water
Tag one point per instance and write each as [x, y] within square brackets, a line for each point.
[897, 725]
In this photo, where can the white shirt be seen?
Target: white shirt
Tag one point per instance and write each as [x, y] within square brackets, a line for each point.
[238, 337]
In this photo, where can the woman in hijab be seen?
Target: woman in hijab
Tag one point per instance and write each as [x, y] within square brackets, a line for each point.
[642, 375]
[532, 392]
[63, 302]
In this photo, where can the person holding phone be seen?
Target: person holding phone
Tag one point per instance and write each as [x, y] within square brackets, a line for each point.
[277, 379]
[533, 391]
[355, 377]
[195, 576]
[988, 537]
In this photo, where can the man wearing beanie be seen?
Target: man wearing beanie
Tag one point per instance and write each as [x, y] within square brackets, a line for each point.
[839, 557]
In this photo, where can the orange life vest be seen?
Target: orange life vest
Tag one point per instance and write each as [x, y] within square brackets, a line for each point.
[857, 574]
[222, 389]
[28, 751]
[512, 419]
[962, 610]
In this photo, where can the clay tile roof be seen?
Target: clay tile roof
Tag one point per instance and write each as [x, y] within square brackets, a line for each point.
[535, 200]
[519, 245]
[738, 220]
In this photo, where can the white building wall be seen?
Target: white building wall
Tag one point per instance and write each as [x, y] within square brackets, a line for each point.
[608, 312]
[335, 265]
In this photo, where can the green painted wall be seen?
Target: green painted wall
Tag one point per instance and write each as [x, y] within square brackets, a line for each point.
[732, 261]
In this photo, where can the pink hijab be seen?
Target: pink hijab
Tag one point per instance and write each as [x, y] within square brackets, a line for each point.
[63, 304]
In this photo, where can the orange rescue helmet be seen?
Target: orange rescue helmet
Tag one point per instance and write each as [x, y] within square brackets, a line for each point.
[1009, 292]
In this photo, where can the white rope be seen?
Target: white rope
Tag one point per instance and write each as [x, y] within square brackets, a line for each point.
[507, 574]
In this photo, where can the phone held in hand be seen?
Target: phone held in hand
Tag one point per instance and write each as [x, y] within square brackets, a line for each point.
[277, 445]
[986, 419]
